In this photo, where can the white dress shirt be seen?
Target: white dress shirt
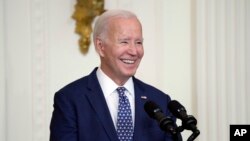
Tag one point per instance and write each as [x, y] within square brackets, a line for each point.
[109, 90]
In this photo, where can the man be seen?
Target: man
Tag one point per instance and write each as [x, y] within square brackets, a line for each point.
[89, 109]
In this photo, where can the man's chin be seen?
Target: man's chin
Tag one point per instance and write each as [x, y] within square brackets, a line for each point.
[130, 74]
[129, 71]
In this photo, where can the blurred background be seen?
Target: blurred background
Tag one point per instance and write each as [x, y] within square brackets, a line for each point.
[197, 51]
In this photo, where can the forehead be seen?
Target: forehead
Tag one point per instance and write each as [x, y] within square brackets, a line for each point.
[125, 25]
[123, 20]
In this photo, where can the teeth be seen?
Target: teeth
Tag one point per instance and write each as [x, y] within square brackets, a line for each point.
[128, 61]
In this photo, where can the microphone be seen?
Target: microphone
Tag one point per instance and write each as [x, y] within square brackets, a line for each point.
[188, 121]
[165, 123]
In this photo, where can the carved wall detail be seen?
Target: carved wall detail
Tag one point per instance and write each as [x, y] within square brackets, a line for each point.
[39, 68]
[84, 14]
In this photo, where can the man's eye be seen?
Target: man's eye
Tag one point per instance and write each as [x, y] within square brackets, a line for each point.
[124, 42]
[139, 43]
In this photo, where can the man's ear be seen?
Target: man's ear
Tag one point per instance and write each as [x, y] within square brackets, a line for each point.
[99, 46]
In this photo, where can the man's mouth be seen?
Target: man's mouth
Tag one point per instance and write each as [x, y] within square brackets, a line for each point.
[127, 61]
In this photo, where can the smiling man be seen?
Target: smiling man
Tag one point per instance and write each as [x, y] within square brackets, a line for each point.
[107, 104]
[120, 45]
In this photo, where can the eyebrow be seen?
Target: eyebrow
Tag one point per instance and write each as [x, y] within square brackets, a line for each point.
[126, 39]
[122, 39]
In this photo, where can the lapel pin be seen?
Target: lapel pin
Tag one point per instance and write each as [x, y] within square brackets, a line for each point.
[143, 97]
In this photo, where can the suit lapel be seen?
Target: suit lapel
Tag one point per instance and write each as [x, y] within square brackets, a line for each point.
[140, 99]
[97, 100]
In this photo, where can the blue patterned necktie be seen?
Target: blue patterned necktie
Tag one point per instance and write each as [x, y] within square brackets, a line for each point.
[124, 118]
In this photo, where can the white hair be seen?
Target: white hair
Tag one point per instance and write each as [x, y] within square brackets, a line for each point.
[102, 23]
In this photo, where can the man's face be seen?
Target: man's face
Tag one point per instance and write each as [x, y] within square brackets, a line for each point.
[122, 51]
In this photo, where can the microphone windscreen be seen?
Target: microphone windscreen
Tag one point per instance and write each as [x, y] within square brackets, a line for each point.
[151, 108]
[175, 108]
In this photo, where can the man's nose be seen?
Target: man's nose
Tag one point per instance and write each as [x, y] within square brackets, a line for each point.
[132, 49]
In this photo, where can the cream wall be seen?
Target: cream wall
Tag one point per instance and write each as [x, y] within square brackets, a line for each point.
[39, 55]
[2, 76]
[222, 74]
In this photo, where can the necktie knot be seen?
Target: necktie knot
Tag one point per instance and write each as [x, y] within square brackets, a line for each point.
[121, 91]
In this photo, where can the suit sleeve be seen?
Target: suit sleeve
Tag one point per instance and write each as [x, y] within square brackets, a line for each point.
[63, 126]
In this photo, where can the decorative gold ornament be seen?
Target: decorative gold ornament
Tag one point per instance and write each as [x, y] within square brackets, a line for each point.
[85, 13]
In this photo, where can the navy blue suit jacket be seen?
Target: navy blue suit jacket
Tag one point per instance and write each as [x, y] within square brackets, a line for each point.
[81, 113]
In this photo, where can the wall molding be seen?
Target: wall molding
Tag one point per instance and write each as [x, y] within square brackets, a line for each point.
[39, 66]
[2, 74]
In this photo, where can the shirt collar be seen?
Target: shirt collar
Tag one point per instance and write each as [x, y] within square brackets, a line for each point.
[109, 86]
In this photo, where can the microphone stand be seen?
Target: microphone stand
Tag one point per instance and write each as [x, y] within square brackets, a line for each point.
[167, 125]
[194, 135]
[189, 124]
[177, 136]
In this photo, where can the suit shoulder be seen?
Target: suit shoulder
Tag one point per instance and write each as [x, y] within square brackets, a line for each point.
[151, 90]
[74, 88]
[81, 82]
[76, 84]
